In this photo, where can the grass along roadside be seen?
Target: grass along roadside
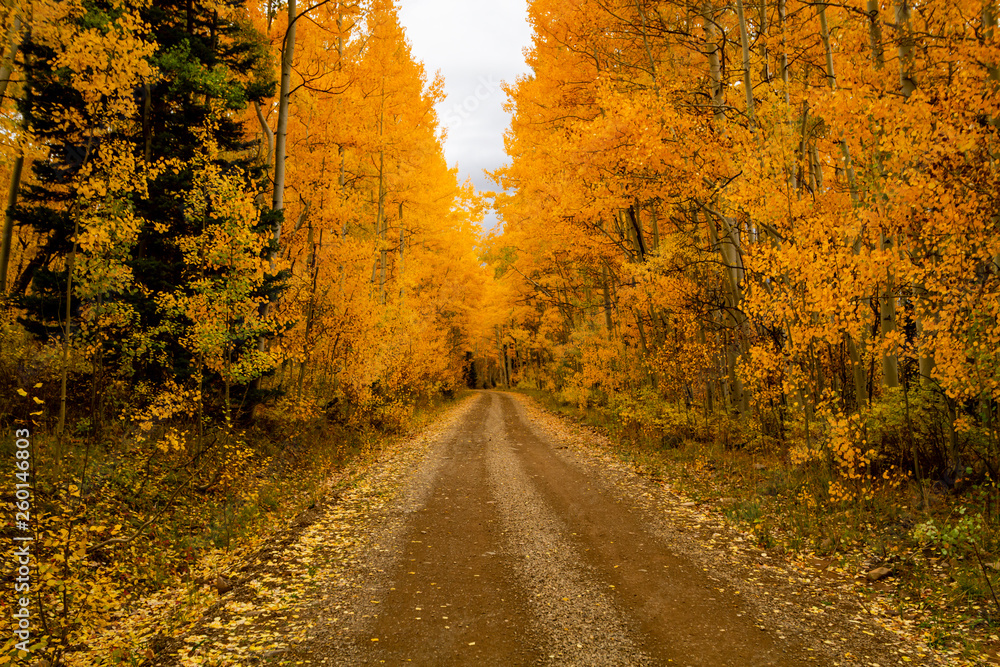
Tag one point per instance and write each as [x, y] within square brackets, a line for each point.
[941, 559]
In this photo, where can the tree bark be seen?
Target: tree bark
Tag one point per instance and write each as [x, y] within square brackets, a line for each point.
[402, 247]
[606, 290]
[281, 135]
[14, 37]
[745, 44]
[906, 83]
[712, 49]
[267, 134]
[875, 34]
[782, 16]
[8, 220]
[655, 225]
[380, 227]
[860, 374]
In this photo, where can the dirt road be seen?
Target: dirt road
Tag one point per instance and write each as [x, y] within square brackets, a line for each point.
[492, 542]
[519, 557]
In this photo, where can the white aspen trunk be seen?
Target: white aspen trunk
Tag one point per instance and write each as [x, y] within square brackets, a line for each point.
[906, 83]
[761, 38]
[633, 229]
[831, 78]
[281, 135]
[342, 177]
[267, 135]
[782, 17]
[727, 241]
[745, 44]
[506, 359]
[793, 176]
[281, 140]
[712, 48]
[729, 250]
[817, 168]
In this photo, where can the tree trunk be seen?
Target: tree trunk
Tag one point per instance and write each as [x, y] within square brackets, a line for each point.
[381, 227]
[906, 83]
[887, 319]
[402, 247]
[267, 135]
[875, 34]
[14, 36]
[281, 135]
[8, 220]
[712, 49]
[655, 225]
[860, 374]
[762, 40]
[831, 79]
[782, 15]
[745, 43]
[606, 290]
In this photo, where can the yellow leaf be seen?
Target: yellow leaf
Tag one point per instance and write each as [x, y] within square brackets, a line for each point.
[37, 400]
[22, 392]
[38, 385]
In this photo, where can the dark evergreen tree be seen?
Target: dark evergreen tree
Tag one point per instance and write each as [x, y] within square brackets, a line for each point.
[209, 68]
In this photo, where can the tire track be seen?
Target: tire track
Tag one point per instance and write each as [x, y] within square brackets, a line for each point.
[579, 621]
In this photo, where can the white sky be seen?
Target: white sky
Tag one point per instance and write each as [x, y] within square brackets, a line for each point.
[476, 44]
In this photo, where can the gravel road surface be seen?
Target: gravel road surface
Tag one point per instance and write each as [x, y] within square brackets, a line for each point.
[491, 539]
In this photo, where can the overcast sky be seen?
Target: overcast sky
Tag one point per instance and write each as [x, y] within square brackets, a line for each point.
[475, 44]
